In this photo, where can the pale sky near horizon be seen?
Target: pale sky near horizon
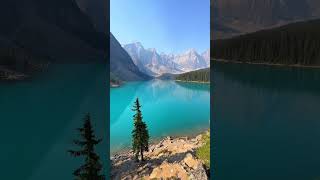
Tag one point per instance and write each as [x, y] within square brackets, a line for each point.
[170, 26]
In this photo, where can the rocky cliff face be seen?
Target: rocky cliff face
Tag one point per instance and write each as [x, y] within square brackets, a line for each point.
[263, 12]
[55, 30]
[233, 17]
[149, 61]
[98, 11]
[191, 60]
[121, 64]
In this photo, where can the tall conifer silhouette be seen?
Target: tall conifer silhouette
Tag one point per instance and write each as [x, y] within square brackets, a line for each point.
[92, 166]
[140, 134]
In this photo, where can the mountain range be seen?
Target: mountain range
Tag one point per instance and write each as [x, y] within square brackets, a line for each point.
[234, 17]
[152, 63]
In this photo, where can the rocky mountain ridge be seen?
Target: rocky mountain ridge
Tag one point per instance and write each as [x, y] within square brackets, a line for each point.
[234, 17]
[156, 64]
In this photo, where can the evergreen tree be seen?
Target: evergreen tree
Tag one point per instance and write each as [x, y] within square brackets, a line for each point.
[92, 167]
[140, 134]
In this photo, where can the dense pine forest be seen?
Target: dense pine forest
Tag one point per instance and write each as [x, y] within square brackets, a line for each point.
[293, 44]
[202, 75]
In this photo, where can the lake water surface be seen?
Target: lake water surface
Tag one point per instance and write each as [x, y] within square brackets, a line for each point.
[169, 108]
[267, 122]
[39, 120]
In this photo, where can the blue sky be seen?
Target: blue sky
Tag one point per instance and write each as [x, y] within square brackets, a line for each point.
[170, 26]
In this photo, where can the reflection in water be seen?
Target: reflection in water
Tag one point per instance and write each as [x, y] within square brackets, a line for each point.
[267, 122]
[168, 109]
[197, 86]
[271, 77]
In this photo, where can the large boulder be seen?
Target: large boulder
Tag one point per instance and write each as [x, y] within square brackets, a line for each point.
[191, 162]
[169, 170]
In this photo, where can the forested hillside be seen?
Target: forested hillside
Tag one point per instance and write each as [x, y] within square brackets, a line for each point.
[202, 75]
[36, 32]
[294, 44]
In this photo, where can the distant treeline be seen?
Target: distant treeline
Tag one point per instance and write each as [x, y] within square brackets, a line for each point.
[14, 58]
[296, 43]
[202, 75]
[20, 60]
[114, 79]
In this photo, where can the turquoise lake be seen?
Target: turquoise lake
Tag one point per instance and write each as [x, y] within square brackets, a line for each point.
[169, 108]
[39, 118]
[266, 122]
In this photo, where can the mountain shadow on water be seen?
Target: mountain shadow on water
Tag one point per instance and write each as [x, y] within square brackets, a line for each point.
[50, 108]
[269, 114]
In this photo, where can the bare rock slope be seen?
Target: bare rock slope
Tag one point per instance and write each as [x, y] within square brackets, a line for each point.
[234, 17]
[171, 158]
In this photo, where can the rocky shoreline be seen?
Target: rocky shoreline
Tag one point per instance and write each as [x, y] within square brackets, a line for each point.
[201, 82]
[9, 75]
[171, 158]
[266, 64]
[114, 85]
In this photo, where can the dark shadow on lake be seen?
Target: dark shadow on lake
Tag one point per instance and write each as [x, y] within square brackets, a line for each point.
[266, 121]
[40, 117]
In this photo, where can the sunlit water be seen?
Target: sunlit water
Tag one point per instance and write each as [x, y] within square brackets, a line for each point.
[168, 108]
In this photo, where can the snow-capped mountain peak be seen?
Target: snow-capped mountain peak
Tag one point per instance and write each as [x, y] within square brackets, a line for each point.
[191, 51]
[152, 63]
[206, 56]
